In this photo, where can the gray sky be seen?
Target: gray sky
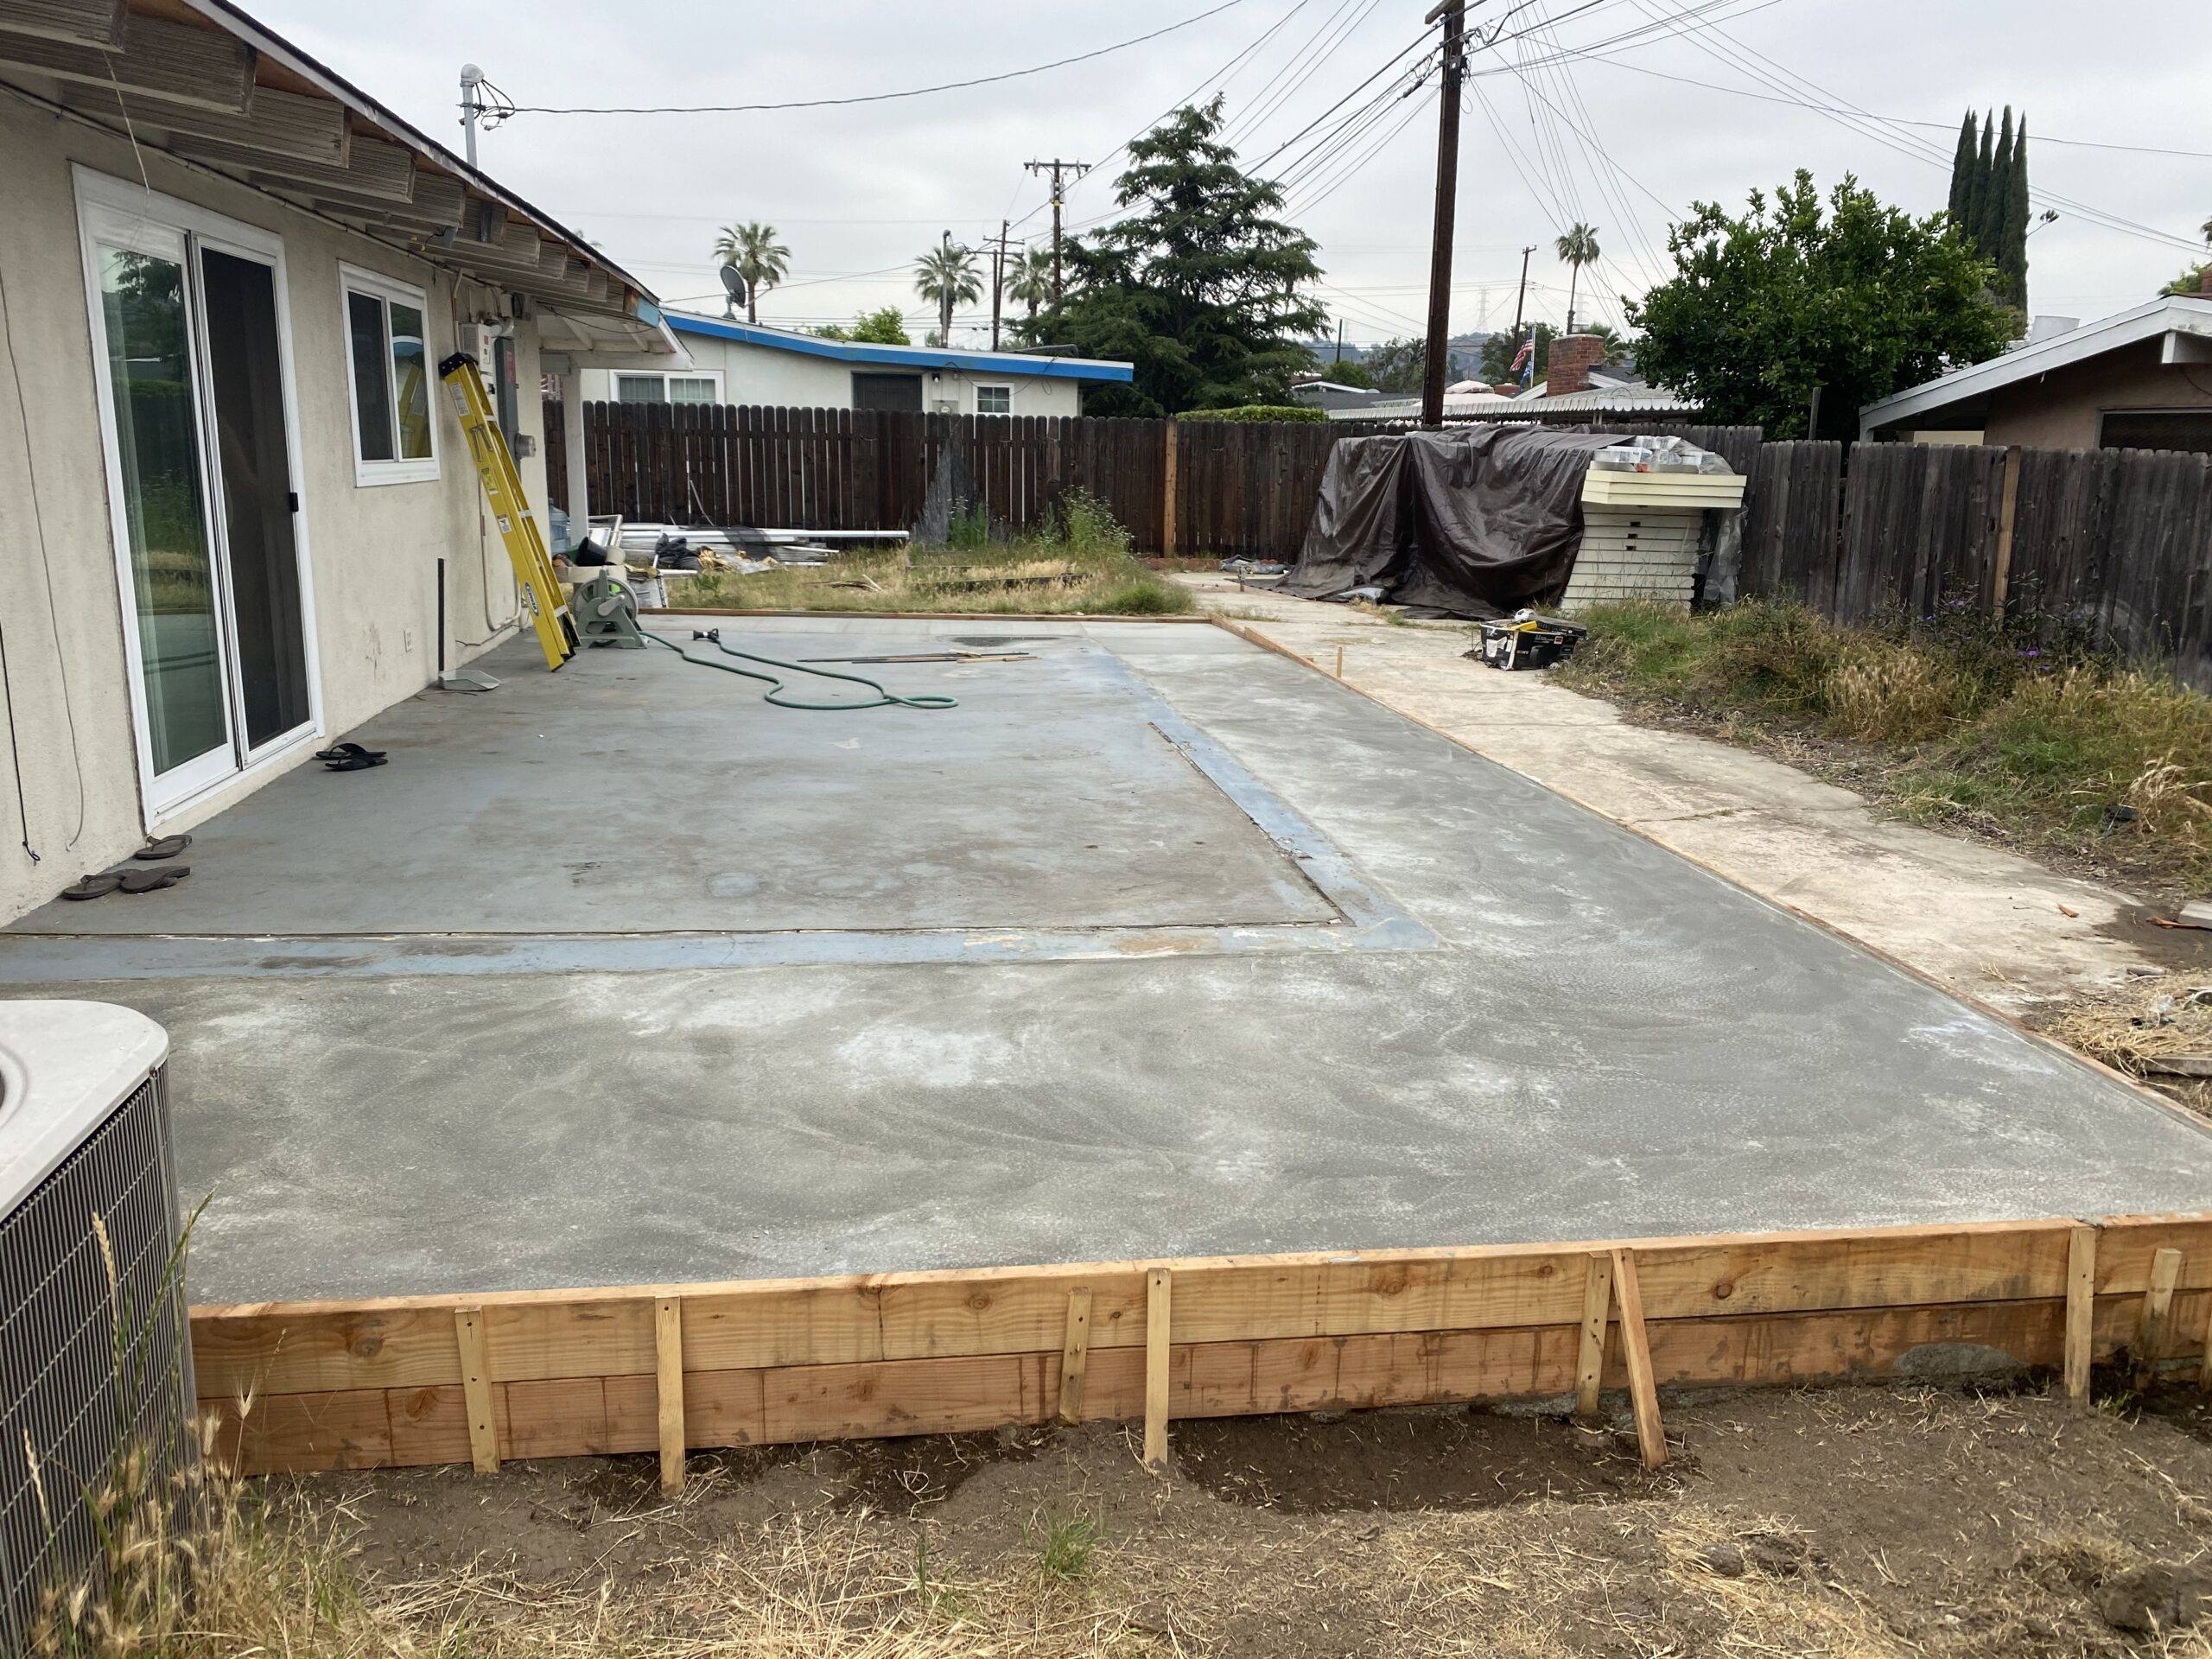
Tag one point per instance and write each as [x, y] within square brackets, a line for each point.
[1598, 134]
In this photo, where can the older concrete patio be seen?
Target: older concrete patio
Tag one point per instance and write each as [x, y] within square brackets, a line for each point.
[1158, 945]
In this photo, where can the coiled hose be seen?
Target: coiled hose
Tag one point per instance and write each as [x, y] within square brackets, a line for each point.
[883, 699]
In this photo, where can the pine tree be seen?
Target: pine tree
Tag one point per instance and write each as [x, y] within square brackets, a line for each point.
[2012, 262]
[1962, 166]
[1996, 187]
[1978, 186]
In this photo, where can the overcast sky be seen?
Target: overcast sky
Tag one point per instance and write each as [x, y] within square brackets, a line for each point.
[1575, 119]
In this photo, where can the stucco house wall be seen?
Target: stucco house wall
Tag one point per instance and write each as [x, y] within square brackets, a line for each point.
[370, 551]
[2064, 408]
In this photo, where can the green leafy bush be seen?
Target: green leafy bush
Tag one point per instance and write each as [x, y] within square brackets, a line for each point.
[1276, 413]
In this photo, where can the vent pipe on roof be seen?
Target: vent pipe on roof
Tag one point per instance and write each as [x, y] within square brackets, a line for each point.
[472, 77]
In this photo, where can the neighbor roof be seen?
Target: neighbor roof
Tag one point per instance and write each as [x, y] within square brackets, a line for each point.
[2171, 315]
[222, 93]
[905, 357]
[1497, 406]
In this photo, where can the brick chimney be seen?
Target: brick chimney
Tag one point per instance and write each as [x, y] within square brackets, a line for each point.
[1572, 358]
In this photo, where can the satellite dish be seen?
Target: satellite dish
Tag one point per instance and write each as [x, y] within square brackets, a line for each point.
[733, 287]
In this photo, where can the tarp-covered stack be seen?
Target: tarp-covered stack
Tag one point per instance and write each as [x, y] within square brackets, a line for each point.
[1473, 521]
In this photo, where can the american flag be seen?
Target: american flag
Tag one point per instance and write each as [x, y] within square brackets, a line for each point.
[1524, 360]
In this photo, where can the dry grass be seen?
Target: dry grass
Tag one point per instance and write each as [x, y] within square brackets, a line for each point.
[2132, 1027]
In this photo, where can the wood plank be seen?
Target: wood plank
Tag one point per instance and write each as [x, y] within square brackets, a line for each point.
[1170, 443]
[374, 171]
[1075, 1353]
[2153, 1338]
[283, 123]
[204, 67]
[396, 1342]
[1596, 1308]
[101, 24]
[2008, 519]
[476, 1390]
[668, 1399]
[1636, 1350]
[1159, 1293]
[2080, 1300]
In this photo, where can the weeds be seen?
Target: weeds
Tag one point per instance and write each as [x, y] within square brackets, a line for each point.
[1078, 562]
[1064, 1545]
[2013, 726]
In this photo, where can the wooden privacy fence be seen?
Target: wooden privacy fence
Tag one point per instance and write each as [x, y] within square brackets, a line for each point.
[450, 1379]
[1213, 488]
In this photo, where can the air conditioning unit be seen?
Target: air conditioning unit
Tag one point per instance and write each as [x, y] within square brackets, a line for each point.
[84, 1132]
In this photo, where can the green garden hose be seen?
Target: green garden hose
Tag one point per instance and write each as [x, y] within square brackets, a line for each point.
[883, 699]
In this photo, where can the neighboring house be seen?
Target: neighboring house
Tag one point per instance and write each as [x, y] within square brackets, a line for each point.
[1579, 385]
[745, 363]
[1329, 394]
[2141, 380]
[237, 502]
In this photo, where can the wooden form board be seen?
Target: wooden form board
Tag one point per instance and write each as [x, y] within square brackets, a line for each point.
[382, 1382]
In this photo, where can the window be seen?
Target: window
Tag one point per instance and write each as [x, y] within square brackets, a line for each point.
[994, 400]
[388, 363]
[2157, 429]
[668, 388]
[886, 390]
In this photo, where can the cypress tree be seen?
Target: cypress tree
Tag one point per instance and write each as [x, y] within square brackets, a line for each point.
[1996, 186]
[2014, 260]
[1978, 186]
[1962, 165]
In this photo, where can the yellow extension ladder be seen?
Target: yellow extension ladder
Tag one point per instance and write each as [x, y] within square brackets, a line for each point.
[541, 593]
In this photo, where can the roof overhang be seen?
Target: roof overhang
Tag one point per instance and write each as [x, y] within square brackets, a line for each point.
[903, 357]
[2181, 325]
[211, 86]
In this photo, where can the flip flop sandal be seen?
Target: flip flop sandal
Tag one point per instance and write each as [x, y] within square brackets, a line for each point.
[154, 880]
[338, 752]
[168, 847]
[95, 887]
[361, 762]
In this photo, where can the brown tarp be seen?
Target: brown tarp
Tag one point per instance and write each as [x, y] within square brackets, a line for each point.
[1473, 521]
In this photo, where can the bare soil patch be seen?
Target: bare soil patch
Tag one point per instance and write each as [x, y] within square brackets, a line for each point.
[1844, 1522]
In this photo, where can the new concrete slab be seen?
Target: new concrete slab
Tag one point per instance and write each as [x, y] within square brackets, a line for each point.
[1598, 1039]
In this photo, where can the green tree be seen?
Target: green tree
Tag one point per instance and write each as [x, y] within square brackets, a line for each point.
[1858, 300]
[947, 276]
[1578, 248]
[1348, 371]
[1996, 189]
[760, 258]
[885, 327]
[1398, 365]
[1029, 282]
[1963, 162]
[1977, 197]
[2012, 247]
[1500, 349]
[1201, 287]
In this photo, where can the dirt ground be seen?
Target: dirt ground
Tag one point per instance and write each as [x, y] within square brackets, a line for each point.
[1843, 1523]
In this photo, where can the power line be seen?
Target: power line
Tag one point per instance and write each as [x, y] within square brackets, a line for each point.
[865, 98]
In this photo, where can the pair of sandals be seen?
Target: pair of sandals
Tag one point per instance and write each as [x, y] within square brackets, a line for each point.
[131, 879]
[349, 757]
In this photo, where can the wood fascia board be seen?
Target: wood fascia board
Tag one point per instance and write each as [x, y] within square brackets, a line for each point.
[202, 68]
[279, 123]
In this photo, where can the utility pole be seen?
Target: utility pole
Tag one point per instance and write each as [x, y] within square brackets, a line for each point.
[472, 107]
[945, 298]
[1454, 14]
[1521, 298]
[1340, 340]
[1056, 166]
[999, 250]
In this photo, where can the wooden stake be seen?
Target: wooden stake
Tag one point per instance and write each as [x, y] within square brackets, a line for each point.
[1074, 1353]
[1596, 1307]
[1340, 662]
[476, 1390]
[1167, 493]
[2007, 515]
[668, 1357]
[2157, 1315]
[2080, 1311]
[1158, 1288]
[1636, 1345]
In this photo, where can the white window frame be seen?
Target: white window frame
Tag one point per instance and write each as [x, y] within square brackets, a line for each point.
[615, 377]
[994, 386]
[352, 279]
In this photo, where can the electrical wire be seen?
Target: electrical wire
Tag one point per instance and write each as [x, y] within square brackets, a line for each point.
[884, 699]
[865, 98]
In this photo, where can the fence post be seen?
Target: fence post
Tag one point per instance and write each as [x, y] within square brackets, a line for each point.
[2007, 513]
[1167, 493]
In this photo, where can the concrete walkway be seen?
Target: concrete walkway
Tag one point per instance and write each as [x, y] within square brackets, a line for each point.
[1988, 922]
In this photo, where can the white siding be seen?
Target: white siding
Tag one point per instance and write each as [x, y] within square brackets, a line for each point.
[764, 375]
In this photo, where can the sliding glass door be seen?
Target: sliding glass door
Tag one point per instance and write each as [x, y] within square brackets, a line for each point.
[189, 331]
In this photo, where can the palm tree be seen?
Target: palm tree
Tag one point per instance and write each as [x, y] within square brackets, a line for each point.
[1029, 280]
[948, 277]
[1578, 247]
[760, 258]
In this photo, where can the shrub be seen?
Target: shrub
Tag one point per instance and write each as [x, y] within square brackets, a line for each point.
[1277, 413]
[1895, 696]
[1145, 596]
